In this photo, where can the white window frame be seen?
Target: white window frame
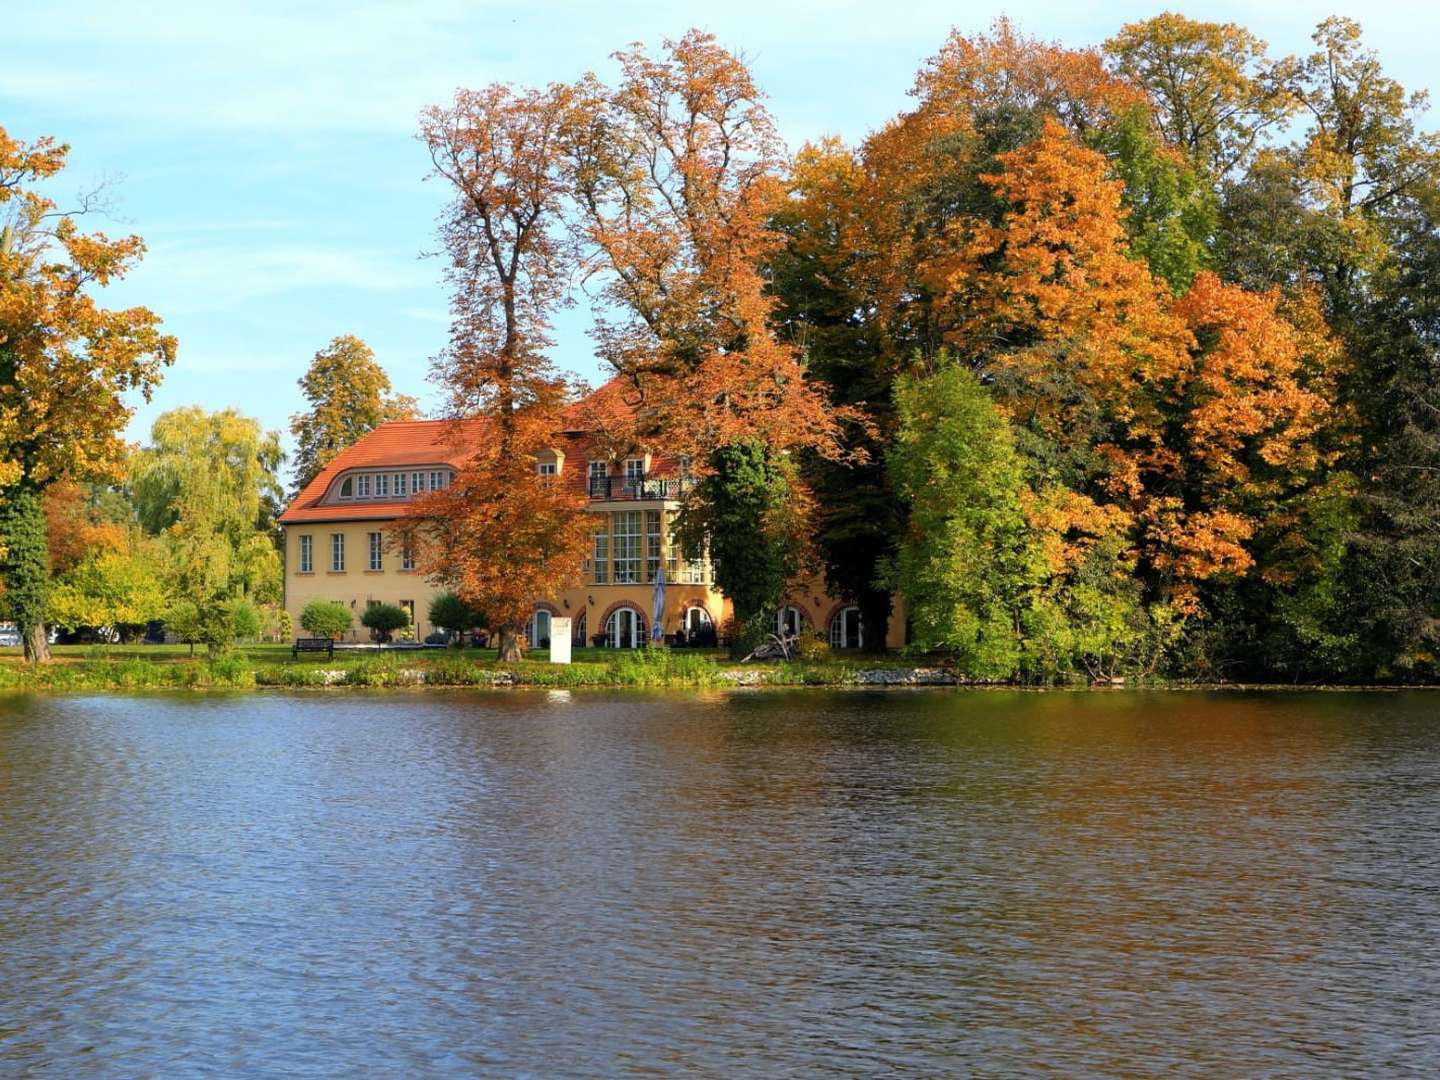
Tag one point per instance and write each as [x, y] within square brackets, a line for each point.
[362, 486]
[347, 488]
[546, 468]
[837, 628]
[307, 553]
[382, 485]
[399, 485]
[417, 483]
[627, 554]
[377, 550]
[782, 619]
[407, 554]
[337, 553]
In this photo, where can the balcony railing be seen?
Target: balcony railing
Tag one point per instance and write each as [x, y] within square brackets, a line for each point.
[612, 488]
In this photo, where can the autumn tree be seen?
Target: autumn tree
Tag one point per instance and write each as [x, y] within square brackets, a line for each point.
[66, 365]
[676, 173]
[349, 395]
[1215, 91]
[503, 536]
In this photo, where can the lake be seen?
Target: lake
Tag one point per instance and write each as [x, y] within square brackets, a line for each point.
[926, 883]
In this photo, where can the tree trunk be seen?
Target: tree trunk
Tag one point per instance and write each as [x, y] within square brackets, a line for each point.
[510, 644]
[37, 645]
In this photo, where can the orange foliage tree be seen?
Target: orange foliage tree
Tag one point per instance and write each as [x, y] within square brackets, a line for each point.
[502, 536]
[65, 365]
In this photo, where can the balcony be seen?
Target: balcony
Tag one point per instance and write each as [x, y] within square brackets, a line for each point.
[619, 488]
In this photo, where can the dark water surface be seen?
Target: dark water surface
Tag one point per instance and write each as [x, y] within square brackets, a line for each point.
[768, 884]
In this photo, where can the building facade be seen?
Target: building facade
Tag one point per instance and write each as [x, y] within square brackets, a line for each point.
[340, 543]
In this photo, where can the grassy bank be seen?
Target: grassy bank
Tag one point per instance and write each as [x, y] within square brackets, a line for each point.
[162, 666]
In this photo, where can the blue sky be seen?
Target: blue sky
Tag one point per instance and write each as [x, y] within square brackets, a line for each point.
[266, 151]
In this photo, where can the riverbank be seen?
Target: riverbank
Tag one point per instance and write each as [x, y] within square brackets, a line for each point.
[171, 667]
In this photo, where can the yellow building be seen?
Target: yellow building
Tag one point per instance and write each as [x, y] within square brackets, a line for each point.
[338, 547]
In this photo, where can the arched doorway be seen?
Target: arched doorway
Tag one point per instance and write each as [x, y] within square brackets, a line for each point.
[846, 629]
[698, 626]
[625, 629]
[539, 630]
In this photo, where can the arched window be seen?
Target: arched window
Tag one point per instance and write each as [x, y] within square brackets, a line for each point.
[347, 487]
[539, 631]
[846, 629]
[789, 621]
[579, 629]
[625, 629]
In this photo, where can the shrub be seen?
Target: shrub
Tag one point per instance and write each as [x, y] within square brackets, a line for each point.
[325, 618]
[812, 647]
[385, 619]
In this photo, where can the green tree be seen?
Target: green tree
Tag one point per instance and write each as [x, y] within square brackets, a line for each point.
[325, 618]
[451, 613]
[25, 568]
[119, 589]
[742, 510]
[967, 564]
[207, 484]
[385, 620]
[349, 395]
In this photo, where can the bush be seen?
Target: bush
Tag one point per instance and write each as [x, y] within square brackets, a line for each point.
[325, 618]
[812, 647]
[384, 620]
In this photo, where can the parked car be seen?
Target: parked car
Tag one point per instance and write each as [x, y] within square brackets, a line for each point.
[9, 636]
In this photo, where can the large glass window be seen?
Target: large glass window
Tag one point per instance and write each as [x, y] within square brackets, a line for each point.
[652, 544]
[597, 473]
[602, 557]
[337, 551]
[789, 621]
[692, 571]
[625, 537]
[307, 554]
[377, 548]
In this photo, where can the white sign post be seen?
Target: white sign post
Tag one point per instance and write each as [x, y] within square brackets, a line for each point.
[559, 640]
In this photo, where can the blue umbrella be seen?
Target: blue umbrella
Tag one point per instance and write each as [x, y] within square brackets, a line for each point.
[657, 607]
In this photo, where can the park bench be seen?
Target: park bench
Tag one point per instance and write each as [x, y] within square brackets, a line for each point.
[313, 644]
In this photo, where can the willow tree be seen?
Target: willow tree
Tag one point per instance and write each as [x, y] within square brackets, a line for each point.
[207, 485]
[66, 365]
[677, 172]
[503, 536]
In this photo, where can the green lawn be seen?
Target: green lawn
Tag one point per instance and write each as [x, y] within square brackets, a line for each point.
[99, 667]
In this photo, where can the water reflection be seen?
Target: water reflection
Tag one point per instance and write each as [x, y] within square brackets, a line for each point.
[593, 884]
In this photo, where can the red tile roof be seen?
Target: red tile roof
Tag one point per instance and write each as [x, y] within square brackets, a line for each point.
[417, 444]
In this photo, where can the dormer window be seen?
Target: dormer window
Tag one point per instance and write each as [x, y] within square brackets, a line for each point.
[400, 485]
[545, 468]
[362, 486]
[382, 485]
[347, 488]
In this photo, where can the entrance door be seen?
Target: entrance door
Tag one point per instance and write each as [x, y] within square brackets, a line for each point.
[624, 629]
[540, 630]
